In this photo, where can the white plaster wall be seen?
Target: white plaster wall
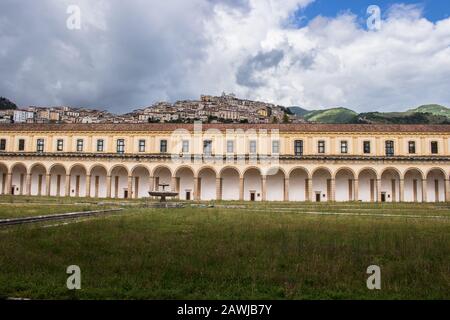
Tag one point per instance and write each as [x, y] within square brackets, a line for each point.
[409, 186]
[275, 187]
[208, 185]
[54, 182]
[102, 187]
[230, 185]
[342, 190]
[431, 196]
[252, 182]
[320, 184]
[78, 171]
[165, 177]
[297, 185]
[2, 182]
[364, 186]
[386, 186]
[17, 171]
[35, 181]
[186, 183]
[143, 184]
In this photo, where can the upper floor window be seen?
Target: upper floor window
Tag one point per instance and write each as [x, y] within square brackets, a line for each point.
[141, 145]
[185, 147]
[120, 146]
[40, 145]
[163, 146]
[298, 147]
[230, 146]
[207, 147]
[21, 144]
[80, 144]
[100, 145]
[59, 145]
[321, 146]
[253, 146]
[344, 147]
[389, 148]
[366, 147]
[2, 144]
[411, 147]
[275, 146]
[434, 147]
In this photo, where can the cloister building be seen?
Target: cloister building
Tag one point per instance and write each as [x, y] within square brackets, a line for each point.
[279, 162]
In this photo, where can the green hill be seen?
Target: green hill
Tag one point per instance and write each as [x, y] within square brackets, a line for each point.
[5, 104]
[334, 115]
[298, 111]
[401, 118]
[434, 109]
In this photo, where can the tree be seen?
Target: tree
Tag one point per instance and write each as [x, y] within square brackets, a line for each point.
[6, 104]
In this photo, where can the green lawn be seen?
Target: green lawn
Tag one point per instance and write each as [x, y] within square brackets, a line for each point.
[245, 251]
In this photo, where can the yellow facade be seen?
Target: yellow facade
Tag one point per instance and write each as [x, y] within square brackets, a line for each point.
[229, 162]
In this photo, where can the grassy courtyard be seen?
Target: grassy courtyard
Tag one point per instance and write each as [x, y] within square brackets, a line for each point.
[231, 251]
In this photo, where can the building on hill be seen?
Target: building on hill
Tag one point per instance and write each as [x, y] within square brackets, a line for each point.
[253, 162]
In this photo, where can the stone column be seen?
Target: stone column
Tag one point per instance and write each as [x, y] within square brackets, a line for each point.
[174, 185]
[218, 189]
[402, 190]
[310, 190]
[67, 185]
[447, 190]
[424, 190]
[378, 190]
[264, 188]
[152, 183]
[88, 186]
[356, 190]
[241, 189]
[28, 192]
[286, 189]
[130, 187]
[332, 196]
[47, 184]
[196, 193]
[8, 183]
[108, 186]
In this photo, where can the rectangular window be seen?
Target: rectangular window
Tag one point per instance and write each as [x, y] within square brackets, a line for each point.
[321, 146]
[344, 147]
[120, 146]
[230, 146]
[389, 148]
[100, 145]
[59, 145]
[21, 144]
[252, 146]
[434, 147]
[185, 148]
[2, 144]
[275, 147]
[207, 147]
[163, 146]
[412, 147]
[40, 145]
[141, 145]
[80, 143]
[298, 147]
[366, 147]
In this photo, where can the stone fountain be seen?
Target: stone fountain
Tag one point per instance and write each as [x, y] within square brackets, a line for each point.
[163, 194]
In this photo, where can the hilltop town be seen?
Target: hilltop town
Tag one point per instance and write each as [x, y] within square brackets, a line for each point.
[209, 109]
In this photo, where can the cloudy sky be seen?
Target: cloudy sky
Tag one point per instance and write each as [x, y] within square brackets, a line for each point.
[312, 53]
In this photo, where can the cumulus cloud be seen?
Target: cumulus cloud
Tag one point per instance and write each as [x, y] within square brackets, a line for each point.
[130, 54]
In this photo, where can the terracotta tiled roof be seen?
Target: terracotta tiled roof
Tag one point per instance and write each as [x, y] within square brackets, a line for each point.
[147, 127]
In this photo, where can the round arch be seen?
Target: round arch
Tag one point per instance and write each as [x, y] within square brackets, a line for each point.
[119, 182]
[207, 183]
[298, 184]
[99, 187]
[3, 177]
[413, 185]
[18, 183]
[345, 184]
[184, 183]
[435, 185]
[58, 173]
[275, 184]
[38, 176]
[77, 180]
[252, 184]
[140, 183]
[390, 185]
[230, 179]
[321, 184]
